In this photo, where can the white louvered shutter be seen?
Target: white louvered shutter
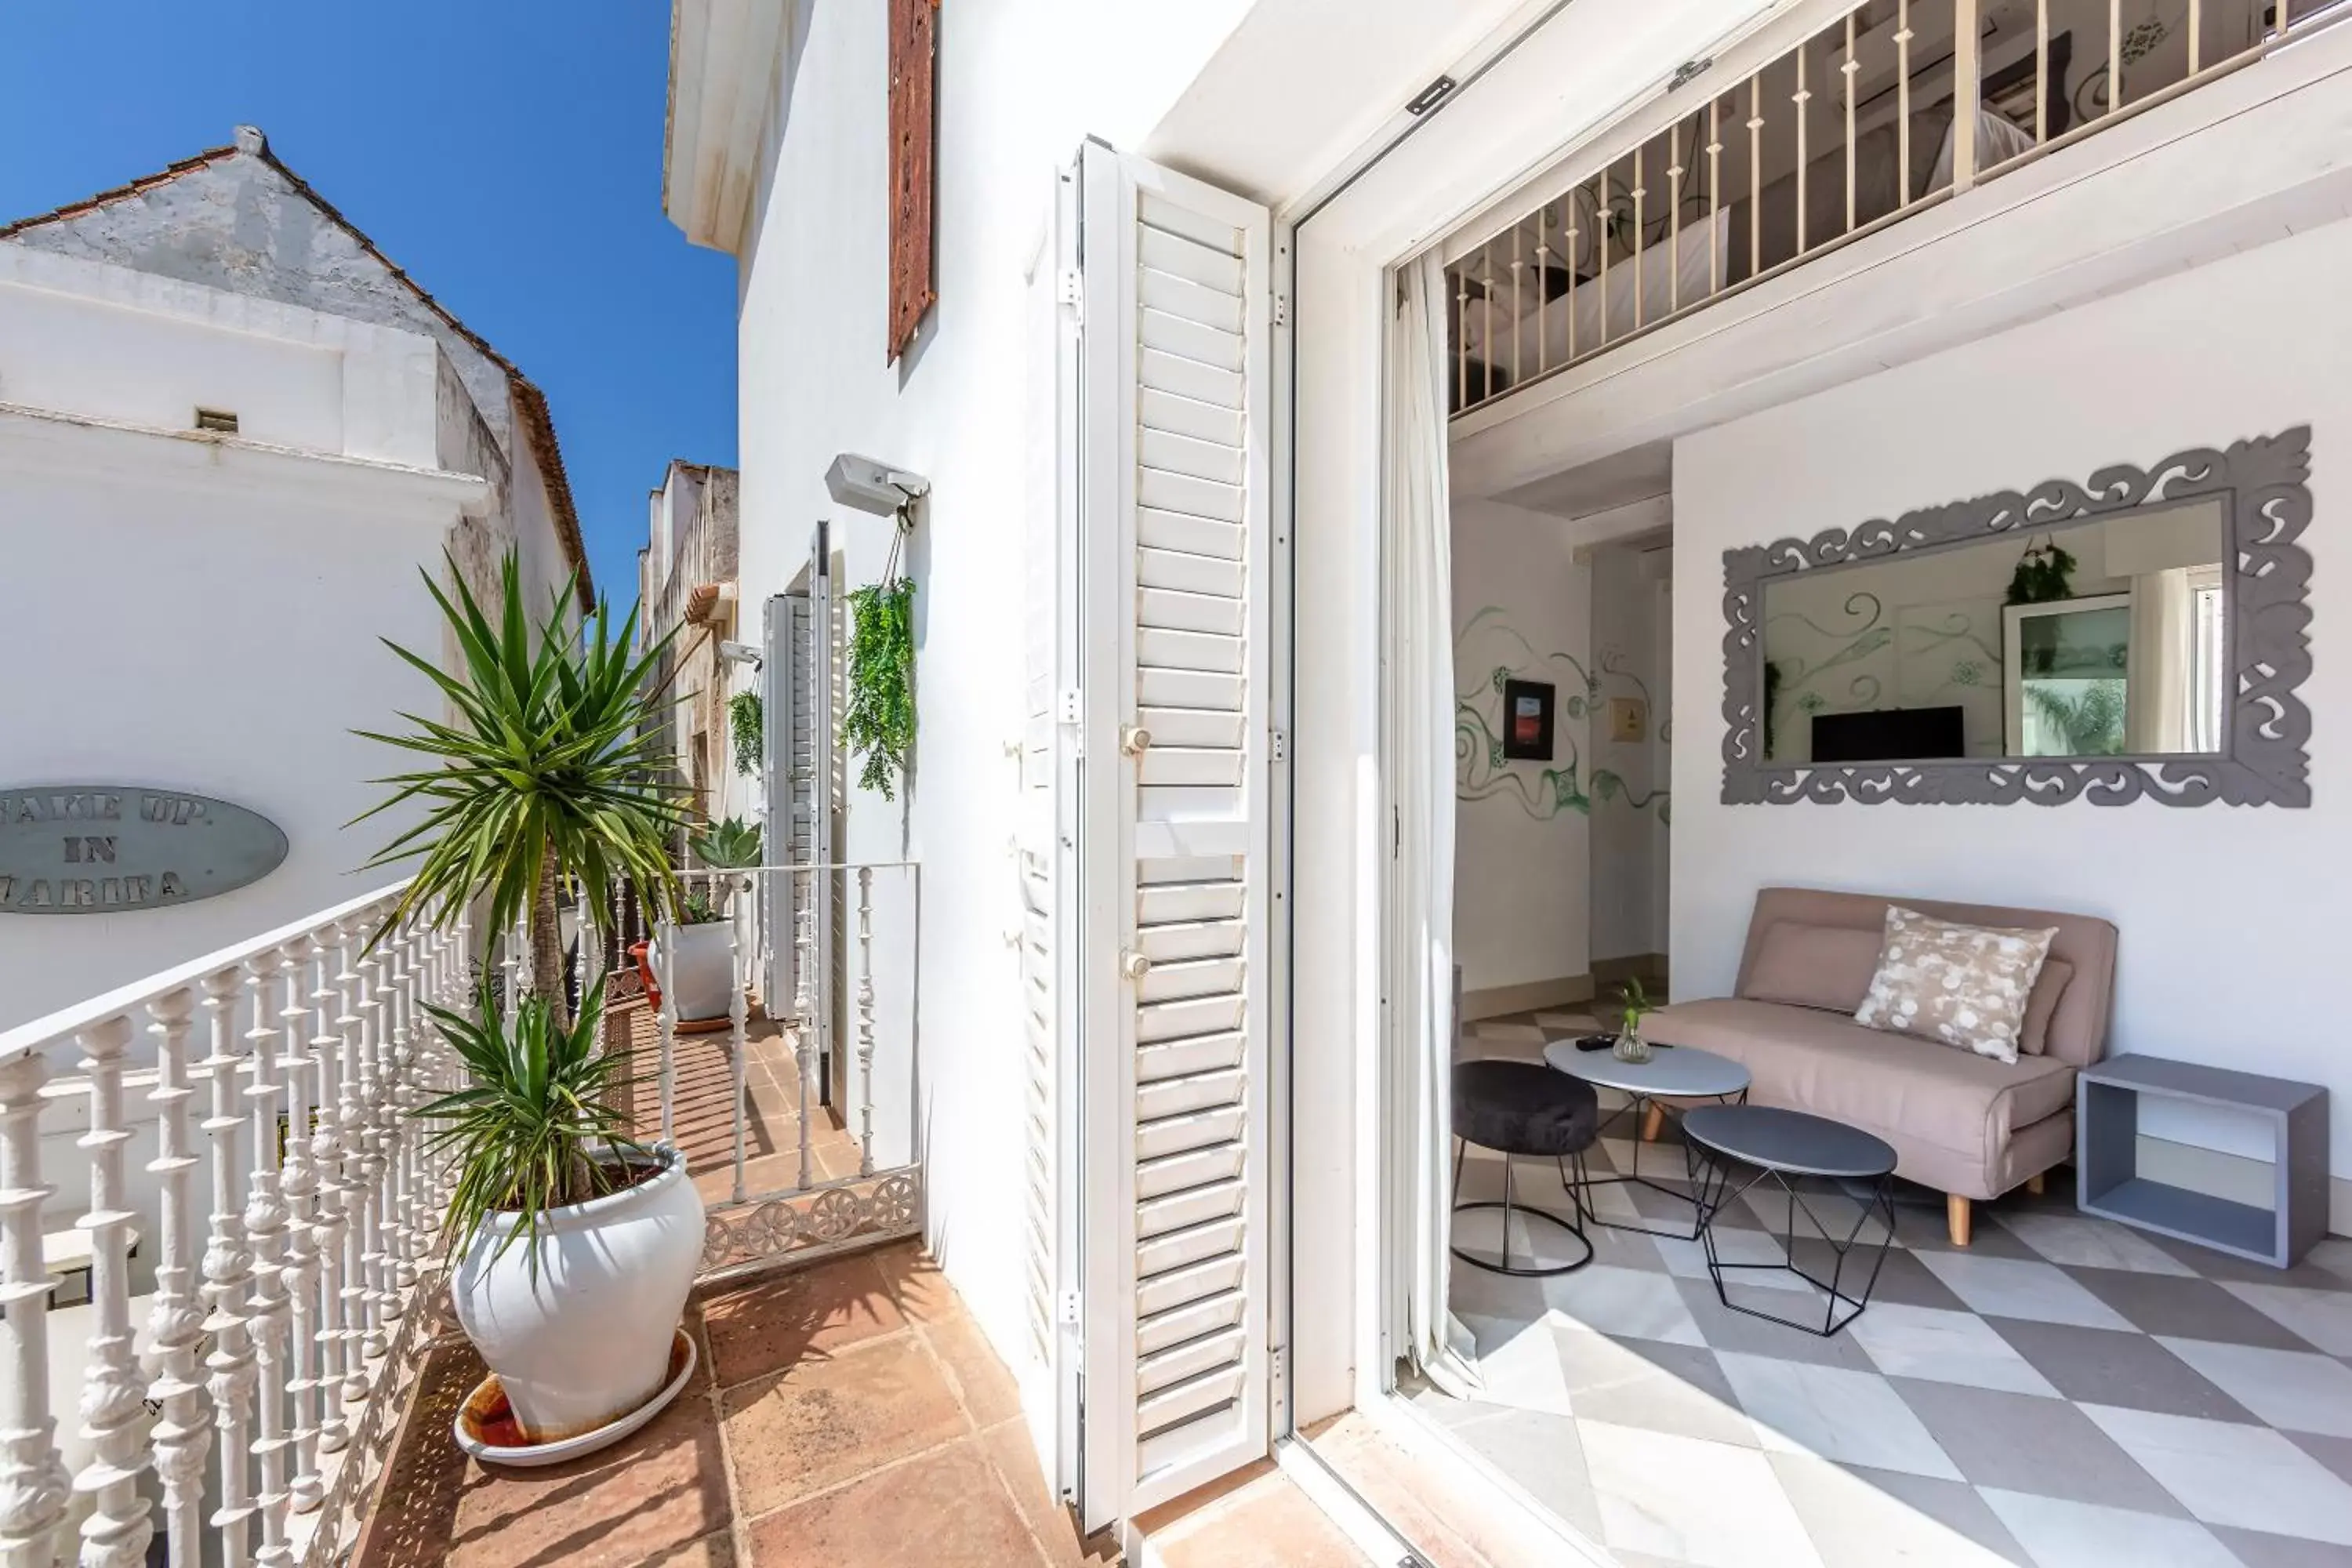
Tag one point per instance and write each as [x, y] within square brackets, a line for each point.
[1049, 937]
[779, 637]
[1174, 519]
[800, 702]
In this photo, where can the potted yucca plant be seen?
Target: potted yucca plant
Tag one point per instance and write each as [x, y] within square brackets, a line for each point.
[694, 956]
[573, 1246]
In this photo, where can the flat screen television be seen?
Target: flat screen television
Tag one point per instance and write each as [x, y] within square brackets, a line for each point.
[1888, 735]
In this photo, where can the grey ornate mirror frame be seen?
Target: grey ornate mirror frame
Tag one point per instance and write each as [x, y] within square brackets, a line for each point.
[2262, 483]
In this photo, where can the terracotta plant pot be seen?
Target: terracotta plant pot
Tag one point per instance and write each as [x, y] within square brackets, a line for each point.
[640, 951]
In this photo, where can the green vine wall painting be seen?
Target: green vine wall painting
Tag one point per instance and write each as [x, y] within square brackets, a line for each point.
[1481, 771]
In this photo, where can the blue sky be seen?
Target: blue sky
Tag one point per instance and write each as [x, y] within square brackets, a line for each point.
[507, 153]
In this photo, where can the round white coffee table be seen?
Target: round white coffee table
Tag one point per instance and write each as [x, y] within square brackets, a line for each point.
[1673, 1073]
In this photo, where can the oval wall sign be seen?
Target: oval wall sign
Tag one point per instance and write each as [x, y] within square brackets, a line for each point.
[102, 849]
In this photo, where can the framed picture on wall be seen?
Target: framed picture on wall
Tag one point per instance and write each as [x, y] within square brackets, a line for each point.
[1527, 720]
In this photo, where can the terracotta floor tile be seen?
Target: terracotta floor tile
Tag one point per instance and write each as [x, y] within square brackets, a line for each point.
[643, 1500]
[1270, 1523]
[1014, 1456]
[988, 1389]
[829, 1418]
[946, 1510]
[717, 1551]
[777, 1320]
[917, 1283]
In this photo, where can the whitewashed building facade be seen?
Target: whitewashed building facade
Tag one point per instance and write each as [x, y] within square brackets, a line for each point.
[231, 434]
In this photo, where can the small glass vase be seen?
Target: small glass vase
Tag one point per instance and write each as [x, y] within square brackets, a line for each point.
[1631, 1047]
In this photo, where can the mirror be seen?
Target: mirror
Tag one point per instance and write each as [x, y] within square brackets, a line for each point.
[2141, 634]
[2106, 637]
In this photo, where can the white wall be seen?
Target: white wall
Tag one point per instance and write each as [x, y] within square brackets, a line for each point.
[813, 384]
[1628, 890]
[2232, 918]
[1523, 849]
[195, 614]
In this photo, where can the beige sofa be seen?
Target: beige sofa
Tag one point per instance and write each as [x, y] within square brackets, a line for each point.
[1967, 1125]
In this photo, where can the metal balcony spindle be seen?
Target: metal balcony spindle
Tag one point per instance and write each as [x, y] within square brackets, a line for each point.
[804, 1007]
[1641, 189]
[266, 1227]
[175, 1323]
[1714, 197]
[1800, 98]
[1461, 338]
[1754, 173]
[2195, 27]
[1674, 172]
[228, 1269]
[738, 1017]
[113, 1393]
[1573, 280]
[1486, 379]
[298, 1183]
[1848, 70]
[1968, 93]
[667, 1029]
[329, 1225]
[1543, 288]
[2116, 48]
[866, 1020]
[34, 1487]
[1903, 103]
[1518, 344]
[1604, 214]
[2041, 65]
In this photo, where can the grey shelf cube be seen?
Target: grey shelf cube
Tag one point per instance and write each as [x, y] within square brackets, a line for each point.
[2107, 1182]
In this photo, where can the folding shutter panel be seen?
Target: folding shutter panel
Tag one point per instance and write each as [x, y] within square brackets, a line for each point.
[776, 669]
[1046, 853]
[819, 890]
[1175, 387]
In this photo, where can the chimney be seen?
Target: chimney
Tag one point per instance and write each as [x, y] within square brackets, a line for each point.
[250, 139]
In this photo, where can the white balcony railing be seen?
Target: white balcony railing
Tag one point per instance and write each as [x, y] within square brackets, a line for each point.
[250, 1314]
[219, 1228]
[1895, 107]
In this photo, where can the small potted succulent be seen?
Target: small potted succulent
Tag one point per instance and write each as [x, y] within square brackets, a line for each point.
[1633, 1004]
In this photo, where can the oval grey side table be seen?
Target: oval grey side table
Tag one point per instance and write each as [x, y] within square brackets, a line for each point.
[1672, 1073]
[1782, 1147]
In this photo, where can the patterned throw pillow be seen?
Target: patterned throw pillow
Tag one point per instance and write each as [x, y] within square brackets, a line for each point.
[1960, 984]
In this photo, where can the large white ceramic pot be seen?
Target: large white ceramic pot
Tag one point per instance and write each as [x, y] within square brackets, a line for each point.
[701, 970]
[586, 1338]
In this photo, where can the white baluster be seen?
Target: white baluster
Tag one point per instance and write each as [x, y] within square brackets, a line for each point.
[175, 1324]
[664, 941]
[328, 1226]
[804, 1015]
[228, 1271]
[865, 1019]
[116, 1533]
[34, 1489]
[298, 1183]
[266, 1226]
[737, 982]
[375, 1165]
[585, 965]
[402, 1148]
[351, 1121]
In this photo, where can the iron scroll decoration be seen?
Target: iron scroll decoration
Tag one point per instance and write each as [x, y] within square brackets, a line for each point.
[2263, 484]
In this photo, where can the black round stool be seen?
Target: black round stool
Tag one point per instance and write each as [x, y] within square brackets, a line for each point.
[1521, 1107]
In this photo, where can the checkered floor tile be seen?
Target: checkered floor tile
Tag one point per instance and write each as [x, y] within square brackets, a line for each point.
[2065, 1394]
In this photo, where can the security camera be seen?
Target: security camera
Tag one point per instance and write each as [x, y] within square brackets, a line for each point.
[870, 486]
[739, 653]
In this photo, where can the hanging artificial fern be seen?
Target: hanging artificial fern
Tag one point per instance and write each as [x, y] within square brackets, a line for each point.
[2045, 575]
[880, 724]
[748, 719]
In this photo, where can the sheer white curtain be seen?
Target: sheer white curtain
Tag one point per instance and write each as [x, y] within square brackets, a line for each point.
[1416, 546]
[2159, 705]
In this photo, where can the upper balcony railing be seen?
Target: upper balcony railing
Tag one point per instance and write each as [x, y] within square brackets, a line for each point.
[220, 1228]
[1895, 107]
